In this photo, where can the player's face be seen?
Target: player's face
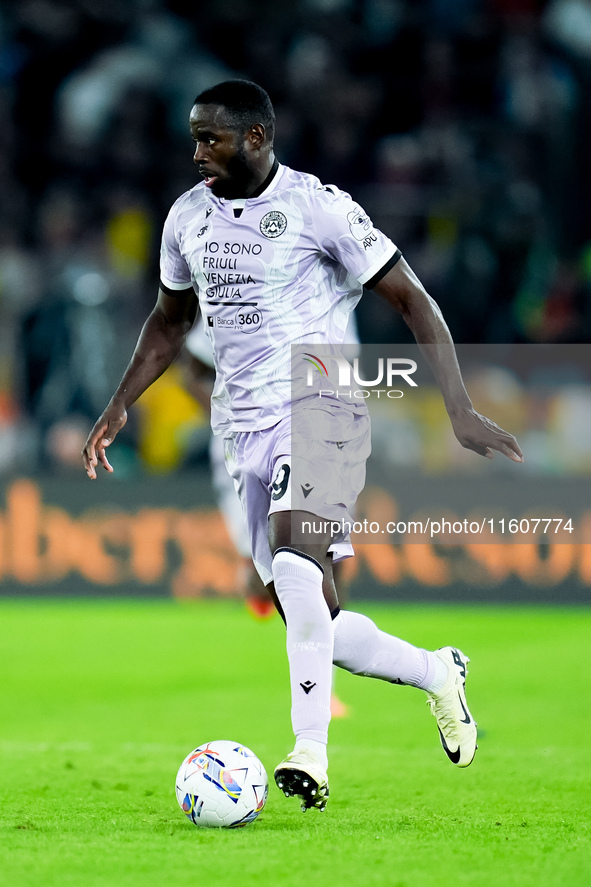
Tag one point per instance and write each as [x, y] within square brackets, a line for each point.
[223, 155]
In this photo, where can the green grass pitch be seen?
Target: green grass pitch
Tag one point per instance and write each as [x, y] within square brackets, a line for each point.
[100, 702]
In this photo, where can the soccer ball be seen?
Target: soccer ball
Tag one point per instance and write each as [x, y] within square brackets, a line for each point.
[222, 785]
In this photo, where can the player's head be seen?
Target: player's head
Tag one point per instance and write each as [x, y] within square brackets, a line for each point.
[232, 125]
[245, 104]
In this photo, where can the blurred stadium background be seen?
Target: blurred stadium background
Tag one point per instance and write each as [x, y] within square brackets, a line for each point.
[462, 126]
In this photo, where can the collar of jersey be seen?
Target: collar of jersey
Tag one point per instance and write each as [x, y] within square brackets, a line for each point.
[274, 176]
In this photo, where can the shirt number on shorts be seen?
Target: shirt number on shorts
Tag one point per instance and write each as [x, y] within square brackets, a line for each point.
[279, 485]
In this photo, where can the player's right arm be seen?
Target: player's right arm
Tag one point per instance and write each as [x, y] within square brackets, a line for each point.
[403, 290]
[160, 342]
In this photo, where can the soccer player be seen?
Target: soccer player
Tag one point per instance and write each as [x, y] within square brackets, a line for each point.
[273, 259]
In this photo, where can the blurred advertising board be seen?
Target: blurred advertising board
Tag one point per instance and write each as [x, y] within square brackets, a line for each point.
[164, 536]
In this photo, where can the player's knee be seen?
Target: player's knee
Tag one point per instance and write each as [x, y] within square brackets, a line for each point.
[297, 578]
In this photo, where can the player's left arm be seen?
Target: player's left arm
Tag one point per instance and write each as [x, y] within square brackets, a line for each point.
[403, 290]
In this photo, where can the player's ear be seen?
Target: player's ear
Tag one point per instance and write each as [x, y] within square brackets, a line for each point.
[256, 135]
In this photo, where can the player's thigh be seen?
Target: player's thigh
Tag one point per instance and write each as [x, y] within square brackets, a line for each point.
[285, 532]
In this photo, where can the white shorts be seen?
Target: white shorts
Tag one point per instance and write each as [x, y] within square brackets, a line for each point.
[319, 469]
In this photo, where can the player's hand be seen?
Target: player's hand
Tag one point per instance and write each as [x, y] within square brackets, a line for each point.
[102, 436]
[476, 432]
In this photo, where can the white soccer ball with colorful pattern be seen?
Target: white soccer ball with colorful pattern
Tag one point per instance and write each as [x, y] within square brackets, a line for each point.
[222, 785]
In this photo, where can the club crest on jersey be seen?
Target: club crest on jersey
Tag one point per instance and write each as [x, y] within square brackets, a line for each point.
[273, 224]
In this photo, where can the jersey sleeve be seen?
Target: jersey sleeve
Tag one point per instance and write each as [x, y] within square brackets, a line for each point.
[174, 271]
[346, 233]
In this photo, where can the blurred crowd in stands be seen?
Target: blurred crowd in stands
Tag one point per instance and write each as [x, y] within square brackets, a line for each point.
[462, 126]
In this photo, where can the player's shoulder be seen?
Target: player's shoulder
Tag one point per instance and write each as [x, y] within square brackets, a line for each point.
[330, 198]
[309, 185]
[318, 200]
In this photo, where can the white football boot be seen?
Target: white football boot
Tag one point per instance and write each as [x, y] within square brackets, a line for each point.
[457, 727]
[302, 774]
